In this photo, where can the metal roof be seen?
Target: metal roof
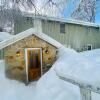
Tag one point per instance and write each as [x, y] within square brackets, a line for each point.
[63, 20]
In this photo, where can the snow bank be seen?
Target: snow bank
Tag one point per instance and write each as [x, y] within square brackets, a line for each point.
[50, 87]
[14, 90]
[93, 55]
[70, 63]
[74, 65]
[78, 67]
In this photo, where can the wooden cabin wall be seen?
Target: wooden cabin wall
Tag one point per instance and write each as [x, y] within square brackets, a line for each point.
[76, 36]
[15, 65]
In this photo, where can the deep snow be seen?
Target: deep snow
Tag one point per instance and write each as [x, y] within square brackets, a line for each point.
[79, 66]
[74, 65]
[14, 90]
[55, 89]
[50, 87]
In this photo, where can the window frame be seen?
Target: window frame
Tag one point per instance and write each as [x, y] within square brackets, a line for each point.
[62, 28]
[89, 47]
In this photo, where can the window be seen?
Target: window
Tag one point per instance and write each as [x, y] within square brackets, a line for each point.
[89, 47]
[1, 29]
[89, 29]
[86, 47]
[28, 18]
[62, 28]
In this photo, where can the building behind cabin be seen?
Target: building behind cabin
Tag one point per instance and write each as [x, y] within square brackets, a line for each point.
[77, 35]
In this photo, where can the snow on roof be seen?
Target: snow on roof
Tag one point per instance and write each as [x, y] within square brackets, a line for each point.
[79, 67]
[27, 33]
[4, 36]
[63, 20]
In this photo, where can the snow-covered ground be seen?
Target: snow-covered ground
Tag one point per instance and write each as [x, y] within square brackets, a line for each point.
[55, 89]
[14, 90]
[80, 66]
[50, 87]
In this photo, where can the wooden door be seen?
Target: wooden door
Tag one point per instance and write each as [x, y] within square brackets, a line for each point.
[34, 64]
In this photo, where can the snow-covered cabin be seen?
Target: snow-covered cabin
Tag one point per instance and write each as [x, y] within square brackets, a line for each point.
[28, 55]
[75, 34]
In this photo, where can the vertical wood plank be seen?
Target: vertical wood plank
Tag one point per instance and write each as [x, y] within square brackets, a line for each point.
[85, 94]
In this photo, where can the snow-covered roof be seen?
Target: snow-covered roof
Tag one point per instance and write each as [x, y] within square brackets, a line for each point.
[27, 33]
[4, 36]
[63, 20]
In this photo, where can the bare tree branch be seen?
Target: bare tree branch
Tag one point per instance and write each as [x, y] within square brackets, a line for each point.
[85, 11]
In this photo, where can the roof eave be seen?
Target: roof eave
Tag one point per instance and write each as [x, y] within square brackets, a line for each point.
[63, 20]
[27, 33]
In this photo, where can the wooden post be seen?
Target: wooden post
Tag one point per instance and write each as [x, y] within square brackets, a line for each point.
[85, 94]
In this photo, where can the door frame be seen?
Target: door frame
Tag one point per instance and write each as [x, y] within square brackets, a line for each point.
[26, 61]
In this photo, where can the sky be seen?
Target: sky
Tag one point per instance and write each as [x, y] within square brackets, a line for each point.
[98, 17]
[98, 13]
[69, 9]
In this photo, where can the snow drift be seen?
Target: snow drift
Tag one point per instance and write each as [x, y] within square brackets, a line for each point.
[74, 65]
[14, 90]
[50, 87]
[78, 67]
